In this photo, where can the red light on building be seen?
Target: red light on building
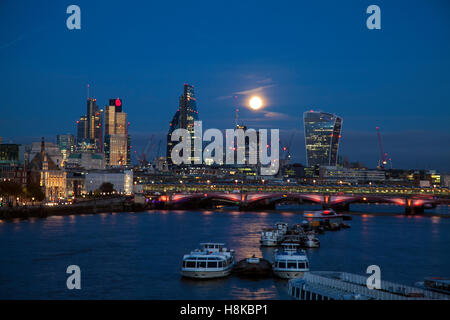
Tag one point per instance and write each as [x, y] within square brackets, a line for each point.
[118, 102]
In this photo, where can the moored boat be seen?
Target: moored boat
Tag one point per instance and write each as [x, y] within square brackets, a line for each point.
[437, 284]
[212, 261]
[311, 241]
[270, 237]
[334, 285]
[253, 267]
[328, 215]
[290, 262]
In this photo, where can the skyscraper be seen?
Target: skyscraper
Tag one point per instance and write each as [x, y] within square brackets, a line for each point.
[90, 127]
[94, 124]
[116, 146]
[322, 134]
[184, 118]
[82, 131]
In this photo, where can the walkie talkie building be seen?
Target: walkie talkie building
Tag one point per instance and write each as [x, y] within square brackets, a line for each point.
[322, 135]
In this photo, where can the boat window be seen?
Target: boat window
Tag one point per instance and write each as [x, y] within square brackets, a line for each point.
[212, 264]
[202, 264]
[220, 264]
[282, 264]
[301, 265]
[292, 265]
[307, 265]
[190, 264]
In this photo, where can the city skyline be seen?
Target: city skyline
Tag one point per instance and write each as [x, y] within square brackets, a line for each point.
[364, 76]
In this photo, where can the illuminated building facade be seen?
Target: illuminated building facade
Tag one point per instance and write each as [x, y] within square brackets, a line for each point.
[82, 132]
[48, 175]
[117, 140]
[184, 118]
[90, 127]
[122, 180]
[9, 153]
[67, 145]
[322, 135]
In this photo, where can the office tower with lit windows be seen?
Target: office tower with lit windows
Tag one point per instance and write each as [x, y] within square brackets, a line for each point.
[94, 124]
[322, 135]
[82, 131]
[184, 118]
[90, 128]
[117, 141]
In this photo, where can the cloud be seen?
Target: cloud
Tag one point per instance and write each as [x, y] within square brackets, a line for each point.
[265, 81]
[254, 90]
[277, 115]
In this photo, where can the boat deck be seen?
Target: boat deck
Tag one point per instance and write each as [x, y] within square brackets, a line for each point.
[342, 285]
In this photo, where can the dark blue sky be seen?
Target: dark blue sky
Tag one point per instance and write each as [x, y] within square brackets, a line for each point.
[298, 55]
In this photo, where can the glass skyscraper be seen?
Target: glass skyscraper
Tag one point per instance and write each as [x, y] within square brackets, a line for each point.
[90, 127]
[116, 142]
[184, 118]
[322, 134]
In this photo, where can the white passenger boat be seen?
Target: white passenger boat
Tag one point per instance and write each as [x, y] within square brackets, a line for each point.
[271, 237]
[324, 215]
[212, 261]
[290, 262]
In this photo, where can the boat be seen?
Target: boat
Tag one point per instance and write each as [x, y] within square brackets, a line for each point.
[333, 285]
[253, 267]
[213, 260]
[290, 262]
[311, 241]
[271, 237]
[282, 227]
[437, 284]
[324, 216]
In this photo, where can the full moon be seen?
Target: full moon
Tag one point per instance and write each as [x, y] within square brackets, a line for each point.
[255, 103]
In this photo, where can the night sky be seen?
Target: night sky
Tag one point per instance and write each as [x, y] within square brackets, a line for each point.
[297, 55]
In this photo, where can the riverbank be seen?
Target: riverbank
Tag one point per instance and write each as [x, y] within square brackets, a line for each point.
[86, 207]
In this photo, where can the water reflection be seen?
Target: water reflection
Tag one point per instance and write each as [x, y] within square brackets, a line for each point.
[144, 251]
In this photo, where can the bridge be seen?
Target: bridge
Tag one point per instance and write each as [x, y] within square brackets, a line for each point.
[250, 197]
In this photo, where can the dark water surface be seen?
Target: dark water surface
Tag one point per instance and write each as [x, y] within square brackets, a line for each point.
[138, 255]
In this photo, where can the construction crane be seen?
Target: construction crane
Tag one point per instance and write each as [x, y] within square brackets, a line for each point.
[142, 157]
[382, 161]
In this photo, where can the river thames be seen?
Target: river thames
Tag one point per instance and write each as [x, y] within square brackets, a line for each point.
[138, 255]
